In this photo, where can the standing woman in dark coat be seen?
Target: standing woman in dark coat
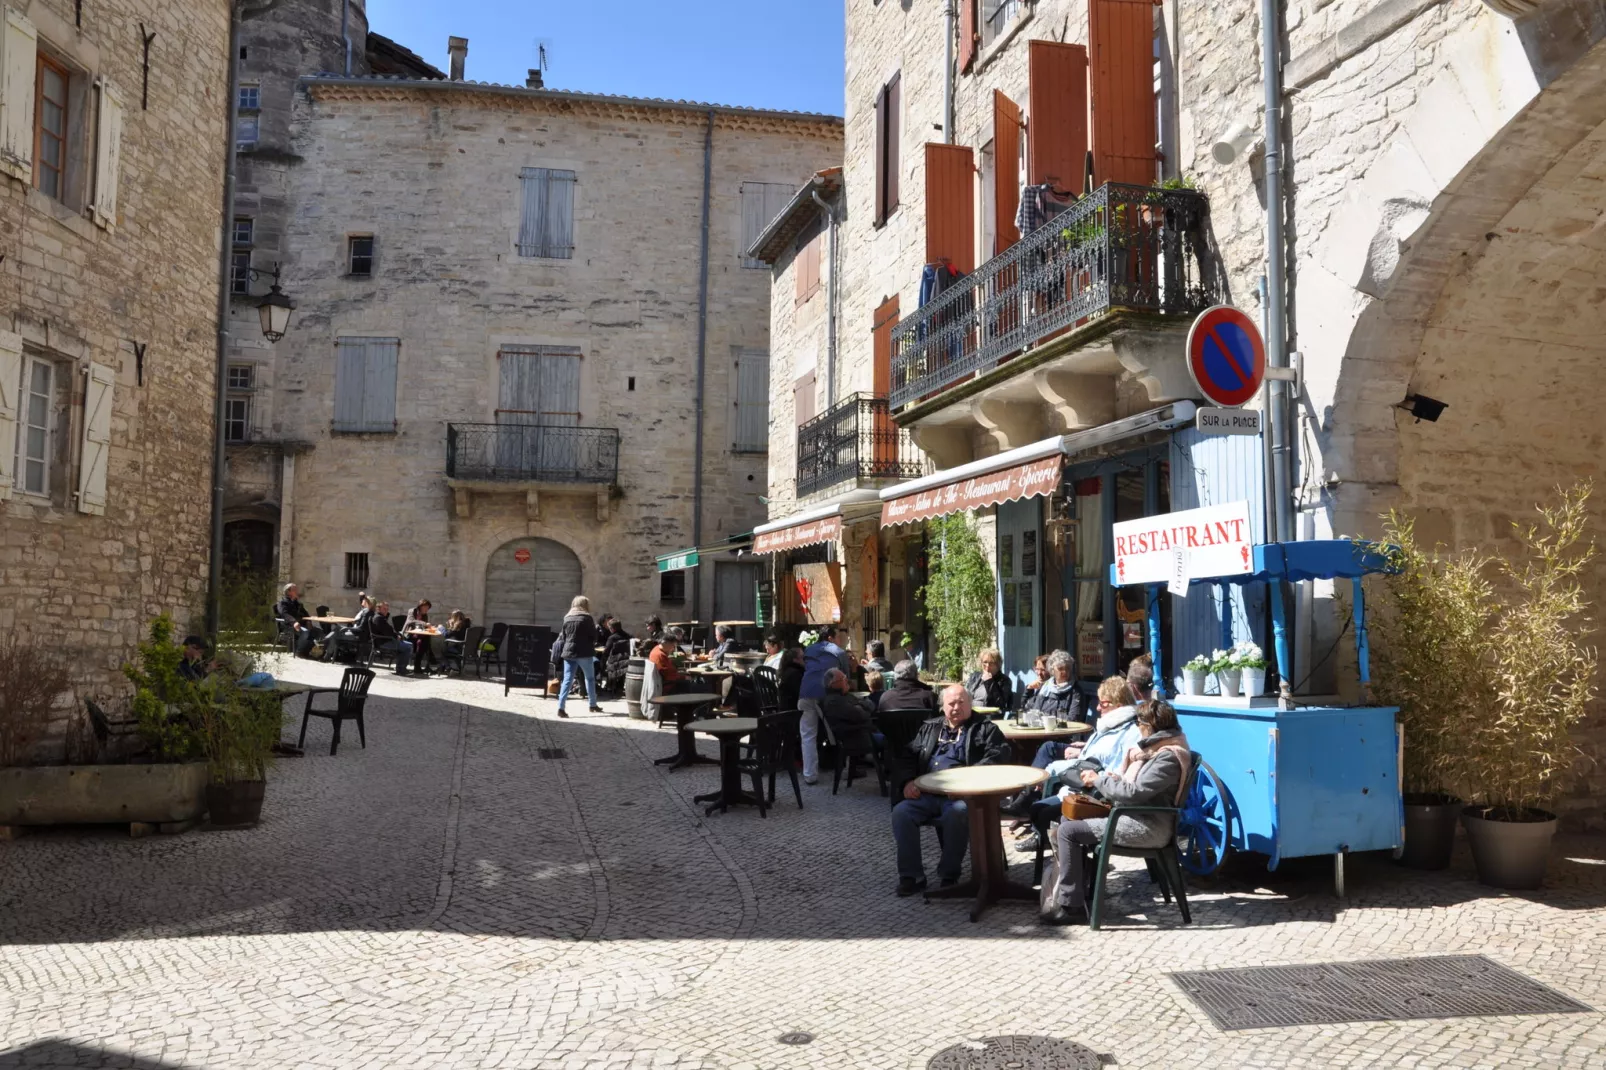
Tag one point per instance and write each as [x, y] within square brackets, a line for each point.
[579, 650]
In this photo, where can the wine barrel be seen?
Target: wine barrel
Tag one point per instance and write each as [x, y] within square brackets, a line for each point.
[635, 672]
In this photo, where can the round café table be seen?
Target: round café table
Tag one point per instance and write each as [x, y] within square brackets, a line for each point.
[983, 788]
[729, 731]
[686, 706]
[1024, 741]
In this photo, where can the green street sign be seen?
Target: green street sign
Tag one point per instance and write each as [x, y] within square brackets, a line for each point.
[672, 562]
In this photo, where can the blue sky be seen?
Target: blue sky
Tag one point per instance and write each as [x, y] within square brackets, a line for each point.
[762, 53]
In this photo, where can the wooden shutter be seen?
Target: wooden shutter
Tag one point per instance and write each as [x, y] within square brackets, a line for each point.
[1121, 55]
[365, 384]
[886, 435]
[1056, 138]
[752, 404]
[887, 105]
[1006, 171]
[967, 34]
[894, 140]
[97, 440]
[950, 206]
[10, 393]
[19, 50]
[557, 222]
[108, 152]
[803, 399]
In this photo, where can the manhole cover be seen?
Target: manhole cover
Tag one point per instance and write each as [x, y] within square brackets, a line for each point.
[1446, 986]
[1016, 1053]
[796, 1038]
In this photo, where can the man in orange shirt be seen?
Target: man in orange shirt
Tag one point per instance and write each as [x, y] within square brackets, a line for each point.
[661, 656]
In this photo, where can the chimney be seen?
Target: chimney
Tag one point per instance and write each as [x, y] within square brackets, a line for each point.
[457, 49]
[534, 81]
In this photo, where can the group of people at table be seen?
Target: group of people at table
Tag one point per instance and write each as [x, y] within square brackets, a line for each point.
[419, 647]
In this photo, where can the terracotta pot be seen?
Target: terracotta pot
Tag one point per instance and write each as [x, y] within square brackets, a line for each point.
[1509, 853]
[1429, 830]
[235, 804]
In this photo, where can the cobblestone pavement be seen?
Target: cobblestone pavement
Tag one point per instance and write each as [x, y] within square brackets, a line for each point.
[448, 898]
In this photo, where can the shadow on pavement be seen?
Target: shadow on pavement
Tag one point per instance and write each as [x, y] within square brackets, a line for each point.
[62, 1053]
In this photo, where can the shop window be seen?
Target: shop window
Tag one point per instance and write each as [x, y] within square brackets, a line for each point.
[672, 586]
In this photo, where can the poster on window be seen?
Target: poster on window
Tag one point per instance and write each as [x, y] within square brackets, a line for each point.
[1009, 605]
[1006, 556]
[1023, 612]
[819, 592]
[1028, 553]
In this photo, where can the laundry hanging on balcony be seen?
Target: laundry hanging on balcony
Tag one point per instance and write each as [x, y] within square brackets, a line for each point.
[935, 278]
[1039, 204]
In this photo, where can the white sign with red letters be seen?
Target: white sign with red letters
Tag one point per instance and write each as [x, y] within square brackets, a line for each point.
[1213, 541]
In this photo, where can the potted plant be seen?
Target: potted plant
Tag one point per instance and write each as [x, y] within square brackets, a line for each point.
[1194, 673]
[1428, 633]
[1249, 660]
[1228, 675]
[238, 728]
[1541, 665]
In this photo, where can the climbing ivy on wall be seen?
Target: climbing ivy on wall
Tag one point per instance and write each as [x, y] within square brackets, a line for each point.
[959, 594]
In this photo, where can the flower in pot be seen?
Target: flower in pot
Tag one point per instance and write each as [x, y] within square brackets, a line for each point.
[1541, 673]
[1194, 673]
[1250, 661]
[1227, 672]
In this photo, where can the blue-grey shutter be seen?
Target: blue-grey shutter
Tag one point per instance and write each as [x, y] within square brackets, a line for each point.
[557, 237]
[379, 384]
[751, 430]
[761, 203]
[350, 367]
[534, 191]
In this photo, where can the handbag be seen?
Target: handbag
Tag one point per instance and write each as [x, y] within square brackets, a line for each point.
[1079, 807]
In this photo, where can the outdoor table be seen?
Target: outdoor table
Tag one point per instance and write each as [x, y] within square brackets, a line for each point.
[1025, 741]
[729, 731]
[333, 620]
[983, 788]
[686, 707]
[283, 689]
[985, 711]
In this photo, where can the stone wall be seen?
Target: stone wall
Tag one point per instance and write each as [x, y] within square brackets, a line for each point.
[434, 174]
[82, 294]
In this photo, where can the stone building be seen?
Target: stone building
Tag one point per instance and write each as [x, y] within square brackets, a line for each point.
[110, 204]
[529, 356]
[1445, 238]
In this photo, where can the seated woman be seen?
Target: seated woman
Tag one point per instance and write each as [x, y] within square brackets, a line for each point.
[1116, 731]
[417, 630]
[1040, 676]
[457, 625]
[1057, 696]
[989, 687]
[350, 636]
[1153, 774]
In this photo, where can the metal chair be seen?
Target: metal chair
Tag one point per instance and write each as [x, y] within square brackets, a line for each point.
[844, 755]
[350, 698]
[898, 729]
[286, 634]
[767, 755]
[494, 653]
[458, 650]
[1164, 863]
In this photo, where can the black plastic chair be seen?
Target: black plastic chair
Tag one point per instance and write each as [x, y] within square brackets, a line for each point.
[843, 755]
[767, 755]
[898, 729]
[286, 636]
[350, 698]
[458, 650]
[1164, 863]
[494, 654]
[768, 683]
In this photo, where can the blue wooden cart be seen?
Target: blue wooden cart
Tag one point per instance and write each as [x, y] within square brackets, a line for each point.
[1282, 777]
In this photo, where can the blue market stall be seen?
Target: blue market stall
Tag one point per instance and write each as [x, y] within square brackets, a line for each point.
[1282, 777]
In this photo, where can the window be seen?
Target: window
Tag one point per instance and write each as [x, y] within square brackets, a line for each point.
[244, 230]
[360, 255]
[546, 224]
[761, 203]
[247, 128]
[237, 403]
[250, 97]
[37, 423]
[240, 272]
[50, 128]
[735, 590]
[888, 112]
[997, 16]
[248, 123]
[365, 384]
[806, 262]
[751, 426]
[357, 570]
[672, 586]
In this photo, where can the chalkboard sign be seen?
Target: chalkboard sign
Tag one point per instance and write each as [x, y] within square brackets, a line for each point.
[526, 649]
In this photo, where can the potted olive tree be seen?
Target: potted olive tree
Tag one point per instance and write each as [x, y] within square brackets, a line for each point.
[1541, 664]
[1429, 619]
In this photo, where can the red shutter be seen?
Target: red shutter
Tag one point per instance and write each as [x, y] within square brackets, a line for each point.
[1056, 132]
[1006, 171]
[886, 436]
[1121, 53]
[967, 34]
[950, 206]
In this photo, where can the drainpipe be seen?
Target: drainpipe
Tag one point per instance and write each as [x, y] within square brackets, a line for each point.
[214, 572]
[830, 302]
[1276, 275]
[702, 364]
[951, 14]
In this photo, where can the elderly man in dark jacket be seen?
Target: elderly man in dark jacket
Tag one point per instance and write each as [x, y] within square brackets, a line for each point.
[957, 738]
[907, 692]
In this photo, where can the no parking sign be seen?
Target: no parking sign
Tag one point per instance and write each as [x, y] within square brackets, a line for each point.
[1226, 356]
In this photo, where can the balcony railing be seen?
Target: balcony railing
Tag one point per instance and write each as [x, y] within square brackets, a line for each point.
[1120, 247]
[532, 453]
[854, 439]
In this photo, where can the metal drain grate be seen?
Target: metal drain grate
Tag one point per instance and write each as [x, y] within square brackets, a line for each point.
[1450, 986]
[1016, 1053]
[551, 752]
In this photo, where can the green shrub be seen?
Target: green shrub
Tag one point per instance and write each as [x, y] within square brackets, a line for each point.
[959, 594]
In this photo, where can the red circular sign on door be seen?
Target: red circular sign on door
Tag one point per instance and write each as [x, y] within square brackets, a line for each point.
[521, 555]
[1226, 357]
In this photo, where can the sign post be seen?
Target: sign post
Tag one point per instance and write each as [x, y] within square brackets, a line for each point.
[1226, 356]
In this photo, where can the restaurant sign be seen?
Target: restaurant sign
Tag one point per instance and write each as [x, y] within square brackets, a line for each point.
[675, 561]
[824, 529]
[1213, 541]
[1006, 485]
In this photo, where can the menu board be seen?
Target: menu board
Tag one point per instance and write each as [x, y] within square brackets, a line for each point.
[526, 651]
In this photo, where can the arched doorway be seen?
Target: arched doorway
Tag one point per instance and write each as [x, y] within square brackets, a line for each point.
[536, 590]
[249, 545]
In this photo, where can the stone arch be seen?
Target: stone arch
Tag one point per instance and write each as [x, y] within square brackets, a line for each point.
[535, 591]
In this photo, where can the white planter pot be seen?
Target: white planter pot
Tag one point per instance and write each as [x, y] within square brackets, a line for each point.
[1254, 682]
[1229, 679]
[1193, 681]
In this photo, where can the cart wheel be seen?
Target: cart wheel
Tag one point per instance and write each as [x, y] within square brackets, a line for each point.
[1204, 828]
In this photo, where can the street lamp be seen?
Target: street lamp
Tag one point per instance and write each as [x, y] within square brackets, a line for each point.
[274, 308]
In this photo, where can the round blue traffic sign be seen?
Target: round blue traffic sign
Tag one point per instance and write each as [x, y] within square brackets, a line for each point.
[1226, 356]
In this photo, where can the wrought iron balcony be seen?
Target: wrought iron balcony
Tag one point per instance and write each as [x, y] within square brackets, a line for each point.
[1137, 248]
[532, 453]
[854, 439]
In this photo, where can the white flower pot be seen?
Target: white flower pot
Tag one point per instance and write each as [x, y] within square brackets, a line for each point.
[1193, 681]
[1229, 679]
[1254, 682]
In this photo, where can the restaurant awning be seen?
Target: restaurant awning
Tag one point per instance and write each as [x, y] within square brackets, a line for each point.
[823, 523]
[1025, 472]
[693, 555]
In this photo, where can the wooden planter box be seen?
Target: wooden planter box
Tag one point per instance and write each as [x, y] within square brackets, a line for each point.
[171, 797]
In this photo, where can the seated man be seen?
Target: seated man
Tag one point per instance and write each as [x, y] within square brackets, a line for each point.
[194, 667]
[674, 681]
[290, 610]
[726, 642]
[847, 714]
[957, 738]
[877, 659]
[907, 691]
[383, 632]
